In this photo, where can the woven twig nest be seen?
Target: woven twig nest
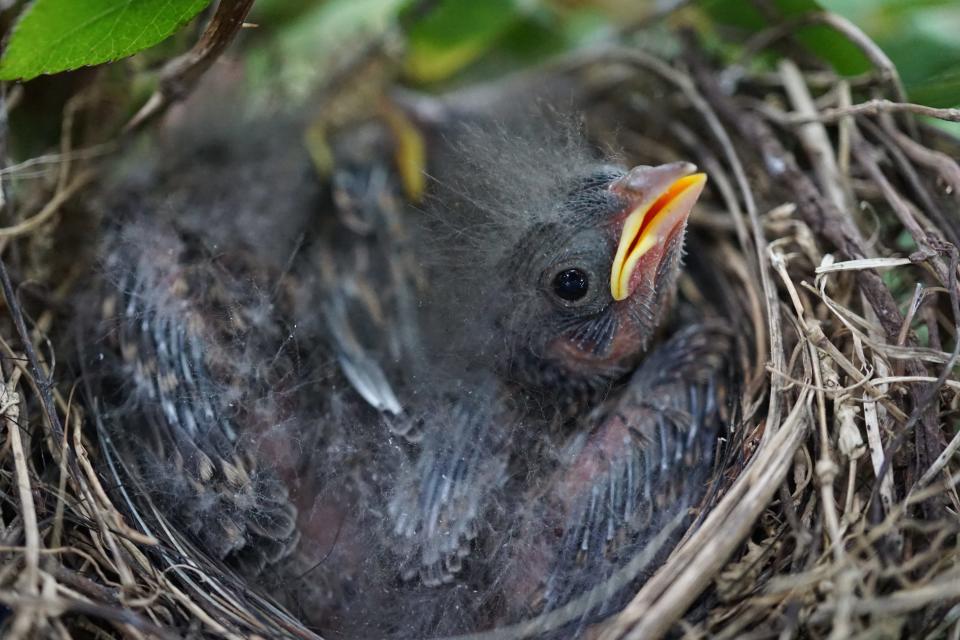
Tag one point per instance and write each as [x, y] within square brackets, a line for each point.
[833, 222]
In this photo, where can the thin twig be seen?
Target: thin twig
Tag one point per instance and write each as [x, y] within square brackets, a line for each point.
[875, 107]
[181, 74]
[46, 213]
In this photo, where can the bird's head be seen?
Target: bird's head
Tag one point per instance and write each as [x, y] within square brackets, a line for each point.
[595, 281]
[574, 260]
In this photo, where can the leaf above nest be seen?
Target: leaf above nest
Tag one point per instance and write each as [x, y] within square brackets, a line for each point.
[60, 35]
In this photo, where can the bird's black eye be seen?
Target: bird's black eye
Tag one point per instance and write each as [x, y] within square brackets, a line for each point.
[571, 284]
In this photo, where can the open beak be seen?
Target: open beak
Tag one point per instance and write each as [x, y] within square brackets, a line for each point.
[659, 200]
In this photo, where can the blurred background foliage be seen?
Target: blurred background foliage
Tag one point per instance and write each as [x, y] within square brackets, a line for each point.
[294, 49]
[921, 36]
[451, 42]
[452, 38]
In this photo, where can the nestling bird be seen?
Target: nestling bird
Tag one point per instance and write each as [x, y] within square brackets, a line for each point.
[447, 418]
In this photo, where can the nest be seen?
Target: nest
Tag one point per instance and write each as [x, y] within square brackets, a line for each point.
[835, 511]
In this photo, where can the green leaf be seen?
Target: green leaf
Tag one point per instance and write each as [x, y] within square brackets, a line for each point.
[539, 34]
[823, 41]
[920, 38]
[941, 90]
[59, 35]
[455, 34]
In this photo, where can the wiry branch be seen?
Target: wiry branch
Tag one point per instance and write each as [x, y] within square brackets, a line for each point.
[181, 74]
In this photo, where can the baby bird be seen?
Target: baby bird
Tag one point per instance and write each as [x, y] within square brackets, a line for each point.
[192, 362]
[421, 421]
[540, 443]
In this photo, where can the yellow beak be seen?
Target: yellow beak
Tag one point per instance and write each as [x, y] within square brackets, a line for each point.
[649, 225]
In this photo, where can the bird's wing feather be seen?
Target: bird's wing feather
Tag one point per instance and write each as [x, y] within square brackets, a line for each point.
[441, 498]
[362, 273]
[645, 459]
[197, 355]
